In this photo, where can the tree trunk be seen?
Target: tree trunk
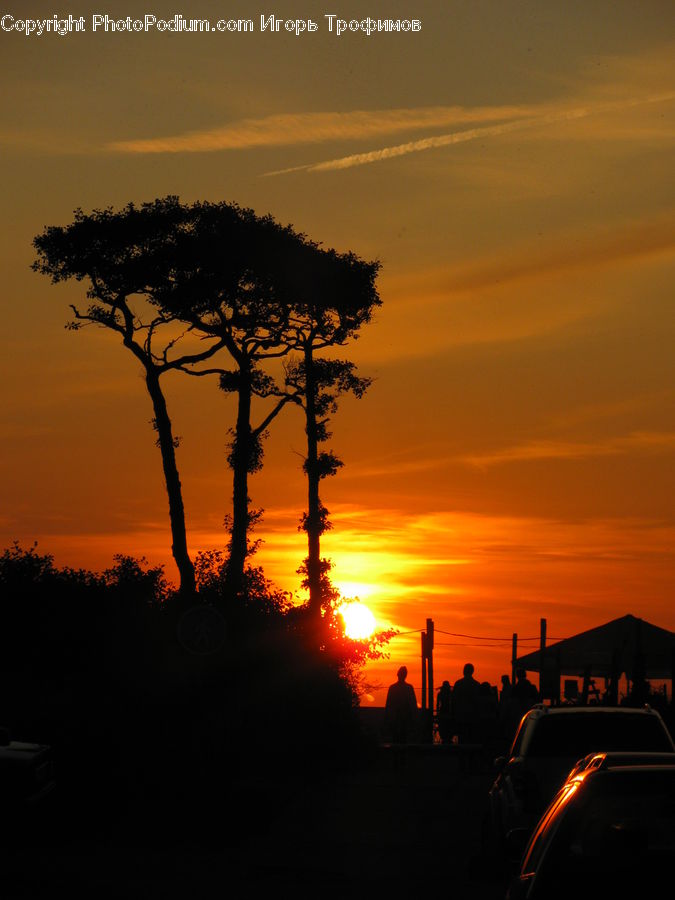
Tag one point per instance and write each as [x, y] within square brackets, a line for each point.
[313, 521]
[241, 461]
[173, 485]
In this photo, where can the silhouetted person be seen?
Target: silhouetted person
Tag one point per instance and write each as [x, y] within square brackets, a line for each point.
[486, 707]
[523, 690]
[465, 705]
[487, 699]
[443, 701]
[401, 709]
[505, 692]
[512, 707]
[509, 710]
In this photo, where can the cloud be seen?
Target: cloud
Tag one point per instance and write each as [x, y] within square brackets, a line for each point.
[401, 468]
[299, 128]
[625, 406]
[534, 451]
[471, 134]
[634, 241]
[286, 129]
[569, 280]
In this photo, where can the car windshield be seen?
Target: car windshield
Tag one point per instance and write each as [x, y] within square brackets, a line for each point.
[577, 735]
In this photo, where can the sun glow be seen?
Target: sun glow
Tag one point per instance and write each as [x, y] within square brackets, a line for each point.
[353, 590]
[359, 621]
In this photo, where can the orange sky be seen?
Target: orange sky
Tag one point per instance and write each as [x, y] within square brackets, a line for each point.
[511, 166]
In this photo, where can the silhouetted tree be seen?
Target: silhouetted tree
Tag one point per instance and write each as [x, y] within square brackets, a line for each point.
[238, 281]
[236, 278]
[127, 258]
[337, 296]
[317, 383]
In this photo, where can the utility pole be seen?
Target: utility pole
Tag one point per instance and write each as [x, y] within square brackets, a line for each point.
[424, 670]
[428, 681]
[430, 661]
[514, 657]
[542, 647]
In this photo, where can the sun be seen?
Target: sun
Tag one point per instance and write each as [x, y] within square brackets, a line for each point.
[359, 621]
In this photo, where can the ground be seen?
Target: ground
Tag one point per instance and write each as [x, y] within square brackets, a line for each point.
[404, 824]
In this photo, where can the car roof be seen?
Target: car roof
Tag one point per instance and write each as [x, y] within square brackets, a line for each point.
[614, 758]
[541, 710]
[643, 769]
[603, 759]
[618, 714]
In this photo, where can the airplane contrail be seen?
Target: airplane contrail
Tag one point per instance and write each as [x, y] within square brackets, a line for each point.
[470, 134]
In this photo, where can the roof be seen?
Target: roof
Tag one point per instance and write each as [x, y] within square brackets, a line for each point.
[594, 710]
[622, 646]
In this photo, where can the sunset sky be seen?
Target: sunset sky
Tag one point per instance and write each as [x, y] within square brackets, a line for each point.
[511, 166]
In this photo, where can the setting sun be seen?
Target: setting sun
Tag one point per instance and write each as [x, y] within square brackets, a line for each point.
[359, 621]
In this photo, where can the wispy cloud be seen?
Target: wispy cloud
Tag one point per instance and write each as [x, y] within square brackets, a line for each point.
[633, 241]
[532, 451]
[640, 442]
[472, 134]
[287, 128]
[623, 407]
[567, 282]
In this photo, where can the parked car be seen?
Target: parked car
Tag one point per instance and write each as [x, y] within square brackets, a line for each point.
[26, 773]
[548, 743]
[609, 832]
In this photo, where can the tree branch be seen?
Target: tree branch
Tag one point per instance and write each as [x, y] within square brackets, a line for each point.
[287, 398]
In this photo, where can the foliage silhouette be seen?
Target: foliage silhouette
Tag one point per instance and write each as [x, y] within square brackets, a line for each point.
[165, 275]
[229, 284]
[320, 322]
[179, 283]
[93, 664]
[126, 257]
[262, 289]
[317, 383]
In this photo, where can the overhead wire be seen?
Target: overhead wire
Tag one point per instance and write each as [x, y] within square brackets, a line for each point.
[473, 637]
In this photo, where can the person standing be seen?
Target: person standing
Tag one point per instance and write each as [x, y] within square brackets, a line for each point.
[509, 716]
[401, 709]
[523, 690]
[505, 693]
[443, 703]
[465, 695]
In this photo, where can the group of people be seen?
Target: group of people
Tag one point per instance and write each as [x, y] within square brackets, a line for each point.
[468, 711]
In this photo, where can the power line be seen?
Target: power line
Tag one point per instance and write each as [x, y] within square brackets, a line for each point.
[458, 644]
[480, 637]
[475, 637]
[414, 631]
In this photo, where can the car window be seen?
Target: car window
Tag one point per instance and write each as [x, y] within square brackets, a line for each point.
[577, 735]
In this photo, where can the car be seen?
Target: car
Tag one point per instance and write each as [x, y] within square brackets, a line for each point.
[609, 832]
[26, 773]
[547, 745]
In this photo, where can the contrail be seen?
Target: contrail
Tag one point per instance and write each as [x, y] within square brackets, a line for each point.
[471, 134]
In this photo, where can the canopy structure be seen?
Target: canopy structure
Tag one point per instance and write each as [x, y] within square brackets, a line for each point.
[626, 645]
